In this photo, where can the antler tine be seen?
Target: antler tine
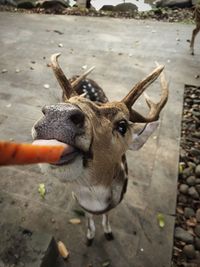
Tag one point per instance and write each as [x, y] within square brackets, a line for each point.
[81, 77]
[61, 78]
[155, 108]
[141, 86]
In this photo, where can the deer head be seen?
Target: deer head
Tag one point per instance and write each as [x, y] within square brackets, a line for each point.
[96, 135]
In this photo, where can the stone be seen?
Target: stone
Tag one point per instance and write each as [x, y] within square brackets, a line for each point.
[197, 242]
[173, 3]
[187, 172]
[195, 152]
[197, 230]
[193, 193]
[197, 180]
[192, 165]
[197, 171]
[198, 215]
[182, 199]
[191, 180]
[189, 212]
[198, 188]
[189, 251]
[183, 235]
[183, 188]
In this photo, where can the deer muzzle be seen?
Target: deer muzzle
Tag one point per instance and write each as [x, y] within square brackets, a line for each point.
[62, 124]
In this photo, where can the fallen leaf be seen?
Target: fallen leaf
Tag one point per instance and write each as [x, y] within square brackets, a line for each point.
[75, 221]
[42, 190]
[180, 168]
[191, 222]
[161, 220]
[180, 210]
[59, 32]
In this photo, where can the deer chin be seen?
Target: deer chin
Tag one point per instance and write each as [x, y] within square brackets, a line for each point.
[69, 154]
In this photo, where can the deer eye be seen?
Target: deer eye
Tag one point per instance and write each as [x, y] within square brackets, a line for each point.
[122, 127]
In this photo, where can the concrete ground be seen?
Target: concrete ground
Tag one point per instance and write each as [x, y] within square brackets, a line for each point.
[123, 51]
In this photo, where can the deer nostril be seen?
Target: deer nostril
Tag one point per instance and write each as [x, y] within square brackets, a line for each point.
[78, 118]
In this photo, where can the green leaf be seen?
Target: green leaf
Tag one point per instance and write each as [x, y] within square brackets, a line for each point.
[42, 190]
[161, 220]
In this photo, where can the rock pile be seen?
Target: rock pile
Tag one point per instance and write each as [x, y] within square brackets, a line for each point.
[187, 228]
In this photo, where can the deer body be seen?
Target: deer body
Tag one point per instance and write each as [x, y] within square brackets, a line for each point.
[197, 27]
[97, 134]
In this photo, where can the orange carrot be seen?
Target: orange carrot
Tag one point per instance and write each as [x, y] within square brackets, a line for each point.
[13, 153]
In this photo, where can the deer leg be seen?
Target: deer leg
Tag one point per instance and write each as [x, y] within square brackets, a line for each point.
[106, 227]
[194, 33]
[90, 229]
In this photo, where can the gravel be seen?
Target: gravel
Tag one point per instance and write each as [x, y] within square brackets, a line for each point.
[187, 226]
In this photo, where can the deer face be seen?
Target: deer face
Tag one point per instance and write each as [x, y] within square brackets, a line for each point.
[96, 135]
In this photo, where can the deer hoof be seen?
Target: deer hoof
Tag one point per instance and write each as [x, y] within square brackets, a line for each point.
[89, 242]
[109, 236]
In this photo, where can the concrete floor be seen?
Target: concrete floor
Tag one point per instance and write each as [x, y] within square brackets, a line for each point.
[123, 51]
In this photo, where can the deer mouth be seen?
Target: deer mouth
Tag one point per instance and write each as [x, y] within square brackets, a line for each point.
[69, 154]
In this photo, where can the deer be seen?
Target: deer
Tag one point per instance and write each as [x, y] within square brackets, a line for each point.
[197, 27]
[96, 134]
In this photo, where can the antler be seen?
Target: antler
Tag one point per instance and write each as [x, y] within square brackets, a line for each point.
[67, 87]
[81, 77]
[61, 78]
[139, 88]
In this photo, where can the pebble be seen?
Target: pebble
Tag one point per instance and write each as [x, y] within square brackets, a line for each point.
[46, 86]
[198, 215]
[191, 180]
[189, 251]
[182, 199]
[193, 192]
[191, 165]
[189, 212]
[187, 172]
[197, 180]
[183, 235]
[198, 188]
[197, 242]
[4, 70]
[197, 170]
[183, 188]
[197, 230]
[195, 152]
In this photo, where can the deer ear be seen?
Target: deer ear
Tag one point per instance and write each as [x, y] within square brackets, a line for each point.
[140, 134]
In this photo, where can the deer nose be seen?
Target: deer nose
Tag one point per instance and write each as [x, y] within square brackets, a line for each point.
[69, 112]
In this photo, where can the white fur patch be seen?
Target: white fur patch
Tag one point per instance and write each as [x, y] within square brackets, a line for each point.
[94, 198]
